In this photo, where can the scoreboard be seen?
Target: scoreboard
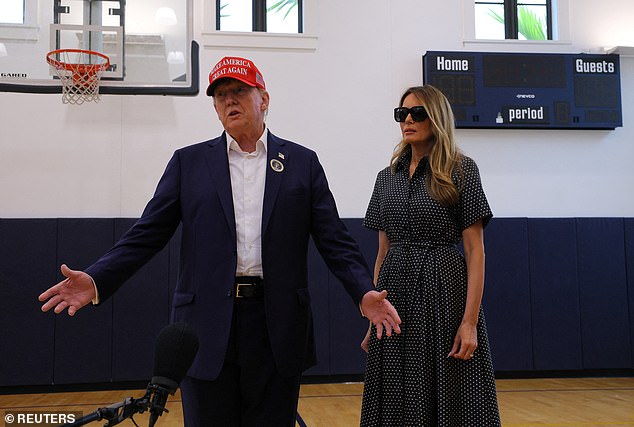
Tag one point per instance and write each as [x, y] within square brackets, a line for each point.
[528, 90]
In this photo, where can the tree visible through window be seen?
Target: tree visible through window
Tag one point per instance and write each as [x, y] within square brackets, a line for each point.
[273, 16]
[514, 19]
[12, 12]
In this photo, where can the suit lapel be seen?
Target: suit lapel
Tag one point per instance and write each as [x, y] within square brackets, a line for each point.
[218, 164]
[276, 165]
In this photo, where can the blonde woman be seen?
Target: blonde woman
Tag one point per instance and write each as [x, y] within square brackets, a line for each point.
[438, 371]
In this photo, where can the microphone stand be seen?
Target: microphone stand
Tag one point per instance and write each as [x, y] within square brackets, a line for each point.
[117, 412]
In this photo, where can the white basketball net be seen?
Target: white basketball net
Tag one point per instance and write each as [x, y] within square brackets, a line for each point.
[80, 74]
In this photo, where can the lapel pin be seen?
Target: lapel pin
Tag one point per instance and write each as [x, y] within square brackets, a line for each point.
[280, 155]
[276, 165]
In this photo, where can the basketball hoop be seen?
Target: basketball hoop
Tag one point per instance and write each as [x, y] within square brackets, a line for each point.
[80, 73]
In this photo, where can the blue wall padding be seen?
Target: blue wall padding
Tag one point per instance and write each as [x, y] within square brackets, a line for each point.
[347, 327]
[27, 267]
[554, 294]
[83, 343]
[507, 294]
[629, 261]
[605, 333]
[559, 295]
[140, 311]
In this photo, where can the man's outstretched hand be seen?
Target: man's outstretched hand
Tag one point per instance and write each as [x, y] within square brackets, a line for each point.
[380, 312]
[73, 293]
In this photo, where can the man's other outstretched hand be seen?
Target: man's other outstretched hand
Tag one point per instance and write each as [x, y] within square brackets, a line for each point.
[74, 292]
[381, 313]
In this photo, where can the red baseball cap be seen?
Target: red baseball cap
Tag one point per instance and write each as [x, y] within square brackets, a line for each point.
[233, 67]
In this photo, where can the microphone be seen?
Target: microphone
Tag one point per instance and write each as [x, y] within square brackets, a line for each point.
[174, 352]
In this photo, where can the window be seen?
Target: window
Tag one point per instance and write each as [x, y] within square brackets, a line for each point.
[12, 12]
[514, 19]
[18, 20]
[273, 16]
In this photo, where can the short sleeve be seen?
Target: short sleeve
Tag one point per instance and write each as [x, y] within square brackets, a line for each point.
[473, 205]
[373, 214]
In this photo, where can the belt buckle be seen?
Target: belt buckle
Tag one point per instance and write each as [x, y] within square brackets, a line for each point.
[238, 285]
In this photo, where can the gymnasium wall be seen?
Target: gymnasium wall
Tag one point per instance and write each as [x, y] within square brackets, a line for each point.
[335, 95]
[559, 297]
[559, 251]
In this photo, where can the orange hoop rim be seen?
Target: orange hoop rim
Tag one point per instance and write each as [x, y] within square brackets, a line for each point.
[72, 66]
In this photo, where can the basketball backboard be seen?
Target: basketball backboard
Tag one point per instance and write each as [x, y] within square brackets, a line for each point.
[149, 44]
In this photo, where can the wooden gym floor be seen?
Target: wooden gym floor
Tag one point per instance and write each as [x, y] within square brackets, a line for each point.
[569, 402]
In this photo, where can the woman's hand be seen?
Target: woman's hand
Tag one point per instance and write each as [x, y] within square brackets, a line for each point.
[465, 343]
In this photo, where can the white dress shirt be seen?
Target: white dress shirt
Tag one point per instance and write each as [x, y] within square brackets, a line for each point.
[248, 174]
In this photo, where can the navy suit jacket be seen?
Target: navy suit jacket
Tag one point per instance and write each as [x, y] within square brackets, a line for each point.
[195, 191]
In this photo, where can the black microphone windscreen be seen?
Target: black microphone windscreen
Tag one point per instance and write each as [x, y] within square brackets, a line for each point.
[174, 352]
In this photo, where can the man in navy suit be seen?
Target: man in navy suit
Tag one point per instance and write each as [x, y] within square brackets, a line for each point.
[248, 202]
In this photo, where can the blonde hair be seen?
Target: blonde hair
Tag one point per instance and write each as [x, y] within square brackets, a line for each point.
[445, 156]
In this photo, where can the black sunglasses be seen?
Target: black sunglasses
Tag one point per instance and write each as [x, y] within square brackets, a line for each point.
[418, 113]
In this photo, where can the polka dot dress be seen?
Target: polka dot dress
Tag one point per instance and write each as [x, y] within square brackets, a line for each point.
[409, 379]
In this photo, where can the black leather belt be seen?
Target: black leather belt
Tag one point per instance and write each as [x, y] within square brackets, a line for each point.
[249, 287]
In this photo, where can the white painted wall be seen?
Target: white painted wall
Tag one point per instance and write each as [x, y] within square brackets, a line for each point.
[104, 160]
